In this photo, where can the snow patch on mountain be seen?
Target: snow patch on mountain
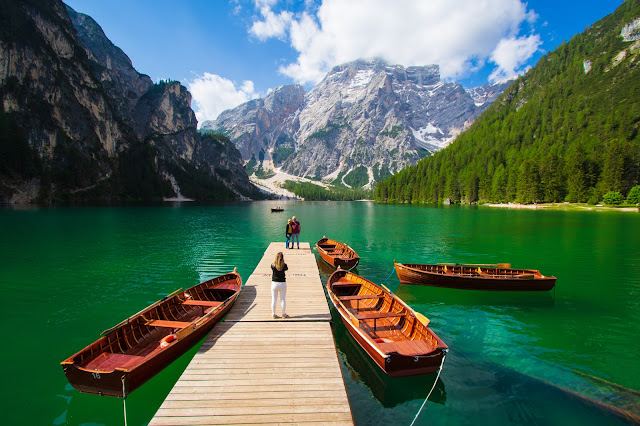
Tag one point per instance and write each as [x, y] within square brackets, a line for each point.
[424, 138]
[361, 79]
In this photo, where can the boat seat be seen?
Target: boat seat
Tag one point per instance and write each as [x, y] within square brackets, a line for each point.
[378, 315]
[109, 361]
[345, 284]
[167, 324]
[201, 303]
[359, 297]
[362, 297]
[406, 347]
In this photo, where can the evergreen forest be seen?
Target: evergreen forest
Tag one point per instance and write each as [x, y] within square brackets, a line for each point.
[568, 130]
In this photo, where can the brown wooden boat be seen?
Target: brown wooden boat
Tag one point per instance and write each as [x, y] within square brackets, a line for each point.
[337, 254]
[277, 209]
[396, 337]
[473, 277]
[130, 353]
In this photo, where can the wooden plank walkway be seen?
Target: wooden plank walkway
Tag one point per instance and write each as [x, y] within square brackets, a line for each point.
[253, 369]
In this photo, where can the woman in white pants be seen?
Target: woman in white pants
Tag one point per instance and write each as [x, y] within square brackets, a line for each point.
[278, 285]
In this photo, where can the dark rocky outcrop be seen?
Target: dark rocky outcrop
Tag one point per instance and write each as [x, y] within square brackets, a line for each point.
[79, 123]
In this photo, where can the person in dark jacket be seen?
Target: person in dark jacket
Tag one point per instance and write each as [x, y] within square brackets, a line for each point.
[288, 230]
[278, 284]
[295, 228]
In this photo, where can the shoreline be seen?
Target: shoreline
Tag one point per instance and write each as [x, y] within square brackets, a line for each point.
[562, 206]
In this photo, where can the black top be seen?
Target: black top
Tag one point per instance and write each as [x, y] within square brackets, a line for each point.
[278, 276]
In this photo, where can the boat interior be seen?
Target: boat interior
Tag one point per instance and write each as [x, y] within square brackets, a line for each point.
[477, 271]
[383, 318]
[327, 247]
[132, 342]
[337, 250]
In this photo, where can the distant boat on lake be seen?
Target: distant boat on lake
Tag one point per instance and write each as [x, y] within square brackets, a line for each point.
[396, 337]
[473, 277]
[133, 351]
[277, 209]
[337, 254]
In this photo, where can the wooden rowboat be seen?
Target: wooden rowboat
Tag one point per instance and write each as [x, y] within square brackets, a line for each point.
[337, 254]
[473, 277]
[277, 209]
[130, 353]
[396, 337]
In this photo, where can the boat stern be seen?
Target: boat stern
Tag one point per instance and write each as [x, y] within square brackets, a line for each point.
[108, 383]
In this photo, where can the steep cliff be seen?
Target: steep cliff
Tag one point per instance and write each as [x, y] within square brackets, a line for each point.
[80, 123]
[260, 124]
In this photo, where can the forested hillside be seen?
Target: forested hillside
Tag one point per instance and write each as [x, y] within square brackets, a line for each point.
[567, 130]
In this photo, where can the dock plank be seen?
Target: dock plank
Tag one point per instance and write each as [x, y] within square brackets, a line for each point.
[259, 370]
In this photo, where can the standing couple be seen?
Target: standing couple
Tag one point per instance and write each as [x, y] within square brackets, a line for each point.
[292, 232]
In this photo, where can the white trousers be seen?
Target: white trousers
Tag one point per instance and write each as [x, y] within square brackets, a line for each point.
[278, 289]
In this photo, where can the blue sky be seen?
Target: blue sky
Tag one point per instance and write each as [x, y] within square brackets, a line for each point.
[227, 52]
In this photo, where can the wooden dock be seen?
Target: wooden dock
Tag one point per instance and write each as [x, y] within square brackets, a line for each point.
[253, 369]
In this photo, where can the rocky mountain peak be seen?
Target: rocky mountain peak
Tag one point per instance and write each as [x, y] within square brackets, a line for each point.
[366, 117]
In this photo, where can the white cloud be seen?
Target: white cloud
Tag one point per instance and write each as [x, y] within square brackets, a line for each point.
[511, 53]
[459, 37]
[273, 25]
[213, 94]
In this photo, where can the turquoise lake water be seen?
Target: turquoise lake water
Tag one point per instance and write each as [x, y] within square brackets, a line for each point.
[515, 358]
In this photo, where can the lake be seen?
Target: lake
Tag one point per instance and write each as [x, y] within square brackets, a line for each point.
[515, 358]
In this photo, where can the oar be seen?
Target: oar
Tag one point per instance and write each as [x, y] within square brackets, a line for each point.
[135, 315]
[422, 318]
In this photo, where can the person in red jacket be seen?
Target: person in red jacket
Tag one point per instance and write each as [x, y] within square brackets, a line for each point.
[295, 234]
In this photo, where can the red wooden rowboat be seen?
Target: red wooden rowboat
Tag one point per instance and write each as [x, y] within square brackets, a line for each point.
[396, 337]
[473, 277]
[337, 254]
[133, 351]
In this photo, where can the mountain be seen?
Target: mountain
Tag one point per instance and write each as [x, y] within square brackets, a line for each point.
[256, 125]
[566, 130]
[364, 120]
[79, 123]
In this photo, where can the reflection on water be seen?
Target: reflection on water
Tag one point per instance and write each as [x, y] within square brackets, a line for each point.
[420, 294]
[326, 270]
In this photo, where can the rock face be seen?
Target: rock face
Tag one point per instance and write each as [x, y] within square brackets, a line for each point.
[364, 115]
[255, 126]
[82, 124]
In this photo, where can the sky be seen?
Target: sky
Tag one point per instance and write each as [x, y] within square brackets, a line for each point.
[227, 52]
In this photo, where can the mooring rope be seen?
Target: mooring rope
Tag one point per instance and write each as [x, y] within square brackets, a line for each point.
[444, 355]
[124, 402]
[352, 267]
[392, 271]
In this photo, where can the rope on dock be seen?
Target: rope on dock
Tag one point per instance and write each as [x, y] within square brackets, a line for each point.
[444, 355]
[124, 402]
